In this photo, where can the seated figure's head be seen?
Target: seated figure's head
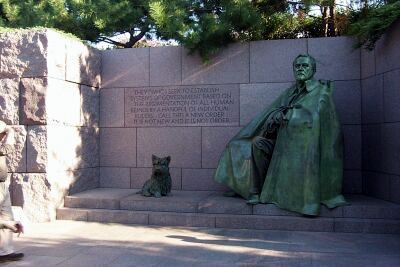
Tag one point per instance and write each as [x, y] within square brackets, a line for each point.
[304, 67]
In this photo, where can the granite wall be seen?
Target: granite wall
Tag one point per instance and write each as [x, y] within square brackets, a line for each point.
[210, 103]
[49, 94]
[380, 73]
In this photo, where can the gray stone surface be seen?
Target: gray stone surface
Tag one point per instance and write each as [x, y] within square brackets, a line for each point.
[213, 142]
[367, 63]
[387, 53]
[370, 208]
[165, 66]
[16, 160]
[33, 101]
[183, 144]
[395, 188]
[217, 203]
[376, 184]
[118, 216]
[118, 147]
[347, 97]
[90, 106]
[200, 179]
[115, 177]
[336, 58]
[282, 53]
[352, 182]
[56, 54]
[125, 68]
[83, 179]
[36, 149]
[177, 201]
[254, 98]
[9, 101]
[230, 65]
[63, 103]
[33, 192]
[375, 226]
[391, 148]
[88, 150]
[112, 103]
[391, 93]
[372, 147]
[72, 214]
[275, 222]
[352, 146]
[83, 63]
[140, 175]
[179, 219]
[372, 99]
[23, 54]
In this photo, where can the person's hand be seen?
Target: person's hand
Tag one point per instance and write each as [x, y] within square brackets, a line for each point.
[14, 226]
[19, 227]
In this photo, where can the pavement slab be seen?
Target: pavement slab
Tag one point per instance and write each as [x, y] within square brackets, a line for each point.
[77, 243]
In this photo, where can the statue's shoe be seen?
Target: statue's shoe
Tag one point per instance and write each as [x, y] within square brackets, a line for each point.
[11, 257]
[253, 200]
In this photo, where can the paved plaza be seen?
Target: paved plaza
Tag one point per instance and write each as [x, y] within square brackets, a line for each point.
[73, 243]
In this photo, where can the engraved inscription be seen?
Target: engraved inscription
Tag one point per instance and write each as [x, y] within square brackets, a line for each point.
[186, 106]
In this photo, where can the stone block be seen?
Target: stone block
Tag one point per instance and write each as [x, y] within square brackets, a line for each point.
[387, 52]
[83, 63]
[181, 219]
[90, 106]
[217, 203]
[272, 210]
[254, 98]
[372, 147]
[125, 67]
[230, 65]
[371, 226]
[395, 189]
[99, 198]
[214, 141]
[347, 97]
[200, 179]
[165, 65]
[370, 208]
[63, 103]
[177, 201]
[64, 148]
[183, 144]
[391, 148]
[115, 177]
[36, 148]
[23, 54]
[376, 184]
[391, 96]
[56, 54]
[272, 60]
[33, 192]
[367, 63]
[336, 58]
[33, 101]
[352, 146]
[72, 214]
[112, 107]
[118, 147]
[88, 151]
[275, 223]
[84, 179]
[9, 99]
[372, 99]
[118, 216]
[352, 182]
[140, 175]
[16, 159]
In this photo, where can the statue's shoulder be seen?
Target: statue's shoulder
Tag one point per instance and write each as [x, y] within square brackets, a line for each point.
[326, 86]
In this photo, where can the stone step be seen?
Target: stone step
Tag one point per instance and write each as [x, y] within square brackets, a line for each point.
[244, 221]
[210, 202]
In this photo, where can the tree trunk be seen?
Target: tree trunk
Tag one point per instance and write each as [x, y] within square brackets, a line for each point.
[331, 21]
[325, 20]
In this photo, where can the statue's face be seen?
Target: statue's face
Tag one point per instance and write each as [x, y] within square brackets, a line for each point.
[303, 69]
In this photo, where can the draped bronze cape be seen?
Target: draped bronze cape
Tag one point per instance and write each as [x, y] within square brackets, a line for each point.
[306, 167]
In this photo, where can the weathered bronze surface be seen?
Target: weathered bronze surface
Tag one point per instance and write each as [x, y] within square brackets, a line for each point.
[160, 182]
[291, 154]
